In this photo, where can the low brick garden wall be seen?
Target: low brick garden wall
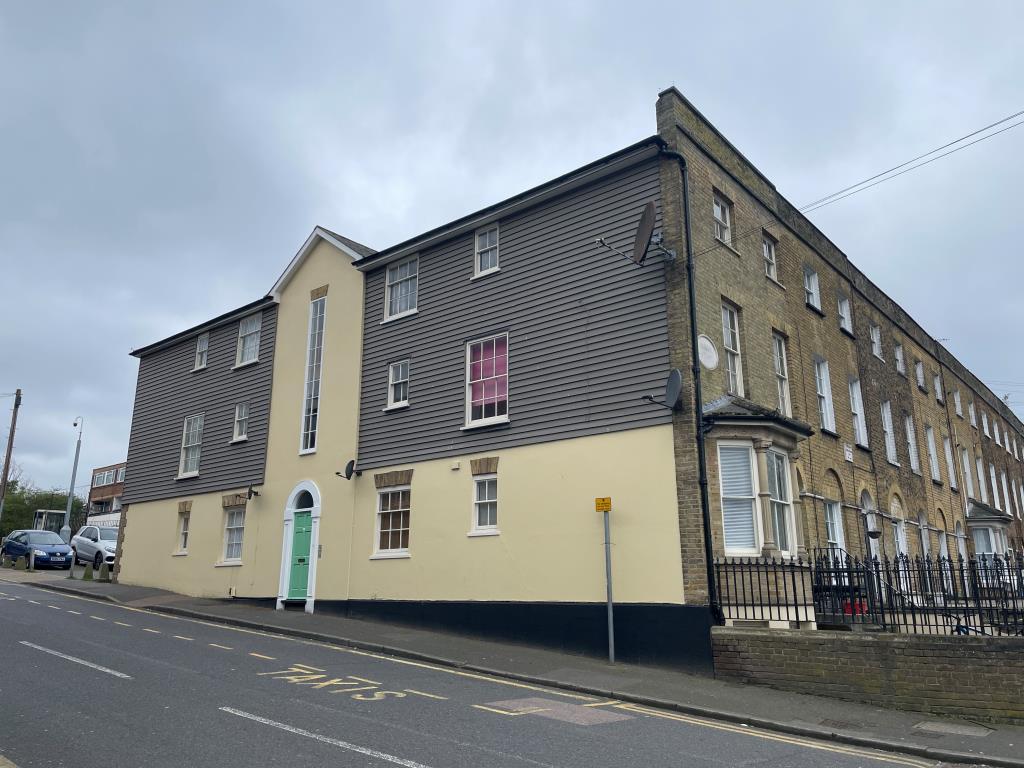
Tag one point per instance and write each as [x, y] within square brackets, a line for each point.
[981, 678]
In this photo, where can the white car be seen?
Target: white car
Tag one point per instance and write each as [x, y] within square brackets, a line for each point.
[95, 544]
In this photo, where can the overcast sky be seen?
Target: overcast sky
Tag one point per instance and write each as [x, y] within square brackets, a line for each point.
[162, 162]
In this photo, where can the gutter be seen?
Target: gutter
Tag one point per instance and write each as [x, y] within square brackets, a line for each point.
[698, 410]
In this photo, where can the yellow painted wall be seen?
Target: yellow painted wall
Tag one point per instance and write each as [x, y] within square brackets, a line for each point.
[551, 546]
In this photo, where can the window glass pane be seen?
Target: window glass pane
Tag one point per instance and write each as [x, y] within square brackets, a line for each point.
[487, 385]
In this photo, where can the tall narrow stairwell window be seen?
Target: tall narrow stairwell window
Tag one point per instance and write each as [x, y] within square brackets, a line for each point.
[314, 364]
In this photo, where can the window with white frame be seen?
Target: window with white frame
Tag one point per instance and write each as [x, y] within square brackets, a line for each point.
[823, 385]
[901, 361]
[249, 339]
[860, 425]
[485, 503]
[241, 428]
[919, 374]
[933, 455]
[401, 288]
[993, 485]
[487, 380]
[120, 474]
[812, 291]
[876, 341]
[1016, 453]
[947, 449]
[984, 424]
[973, 414]
[1020, 509]
[922, 525]
[958, 403]
[834, 525]
[845, 314]
[202, 351]
[234, 530]
[486, 257]
[995, 430]
[103, 478]
[1006, 490]
[982, 486]
[965, 464]
[314, 372]
[915, 457]
[398, 384]
[739, 497]
[937, 386]
[731, 343]
[1016, 496]
[393, 521]
[183, 522]
[722, 209]
[191, 445]
[771, 265]
[889, 433]
[781, 501]
[781, 373]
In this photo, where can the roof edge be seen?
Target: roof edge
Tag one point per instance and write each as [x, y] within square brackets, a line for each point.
[205, 326]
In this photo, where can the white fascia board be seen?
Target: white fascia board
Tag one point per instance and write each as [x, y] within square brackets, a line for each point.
[315, 236]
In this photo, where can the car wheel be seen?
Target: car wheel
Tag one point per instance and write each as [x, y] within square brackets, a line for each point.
[97, 561]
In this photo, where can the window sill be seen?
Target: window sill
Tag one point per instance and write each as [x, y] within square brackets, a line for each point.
[829, 432]
[399, 316]
[814, 309]
[893, 463]
[200, 368]
[246, 364]
[727, 246]
[396, 407]
[485, 273]
[865, 448]
[774, 282]
[239, 440]
[937, 482]
[882, 359]
[483, 532]
[306, 451]
[401, 555]
[179, 553]
[923, 389]
[847, 332]
[227, 564]
[187, 475]
[483, 424]
[916, 471]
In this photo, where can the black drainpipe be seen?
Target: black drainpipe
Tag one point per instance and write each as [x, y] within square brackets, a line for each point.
[702, 461]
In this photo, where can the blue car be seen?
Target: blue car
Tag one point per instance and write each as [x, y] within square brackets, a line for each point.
[50, 549]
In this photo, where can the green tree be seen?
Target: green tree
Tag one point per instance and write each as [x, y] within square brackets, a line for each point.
[22, 501]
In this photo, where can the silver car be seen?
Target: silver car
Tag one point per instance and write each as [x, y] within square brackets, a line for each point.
[95, 544]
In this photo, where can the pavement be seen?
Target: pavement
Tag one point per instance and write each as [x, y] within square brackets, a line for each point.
[710, 708]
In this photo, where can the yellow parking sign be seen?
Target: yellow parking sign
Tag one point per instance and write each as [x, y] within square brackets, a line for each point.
[603, 504]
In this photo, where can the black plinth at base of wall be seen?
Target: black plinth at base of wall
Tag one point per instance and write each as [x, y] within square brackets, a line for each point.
[665, 635]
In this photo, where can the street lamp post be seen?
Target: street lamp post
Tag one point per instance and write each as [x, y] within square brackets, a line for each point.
[65, 531]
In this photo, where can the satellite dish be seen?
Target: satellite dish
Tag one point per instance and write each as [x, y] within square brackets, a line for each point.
[707, 352]
[673, 387]
[644, 233]
[350, 468]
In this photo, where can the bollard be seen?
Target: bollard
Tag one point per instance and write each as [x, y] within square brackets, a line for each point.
[32, 560]
[87, 573]
[71, 570]
[104, 572]
[22, 563]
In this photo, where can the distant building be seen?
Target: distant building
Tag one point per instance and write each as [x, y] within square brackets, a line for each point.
[106, 492]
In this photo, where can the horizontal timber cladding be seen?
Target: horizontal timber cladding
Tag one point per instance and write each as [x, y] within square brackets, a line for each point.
[168, 390]
[586, 330]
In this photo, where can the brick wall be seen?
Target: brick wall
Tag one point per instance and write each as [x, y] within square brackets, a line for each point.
[975, 677]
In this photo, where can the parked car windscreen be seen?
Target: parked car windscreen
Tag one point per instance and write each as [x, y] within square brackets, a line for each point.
[108, 534]
[44, 538]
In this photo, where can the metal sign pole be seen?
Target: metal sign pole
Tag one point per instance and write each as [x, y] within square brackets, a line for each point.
[608, 577]
[604, 505]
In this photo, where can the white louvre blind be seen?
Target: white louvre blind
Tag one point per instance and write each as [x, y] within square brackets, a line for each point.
[735, 467]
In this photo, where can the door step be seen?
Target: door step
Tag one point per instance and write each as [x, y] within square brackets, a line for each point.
[294, 604]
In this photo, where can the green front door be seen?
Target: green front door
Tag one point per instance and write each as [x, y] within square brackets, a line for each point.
[301, 534]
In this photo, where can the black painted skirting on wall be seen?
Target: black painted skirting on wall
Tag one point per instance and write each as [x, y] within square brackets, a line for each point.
[666, 635]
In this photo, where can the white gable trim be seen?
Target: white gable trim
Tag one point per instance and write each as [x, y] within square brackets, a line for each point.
[318, 234]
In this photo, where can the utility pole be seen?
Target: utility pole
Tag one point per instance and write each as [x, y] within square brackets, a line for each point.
[65, 531]
[10, 447]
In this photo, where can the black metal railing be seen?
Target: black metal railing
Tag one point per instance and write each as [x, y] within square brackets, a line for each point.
[981, 595]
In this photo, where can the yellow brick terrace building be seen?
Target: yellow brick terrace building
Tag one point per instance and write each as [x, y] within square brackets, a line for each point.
[420, 432]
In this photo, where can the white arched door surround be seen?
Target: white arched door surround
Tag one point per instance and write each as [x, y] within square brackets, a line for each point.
[299, 501]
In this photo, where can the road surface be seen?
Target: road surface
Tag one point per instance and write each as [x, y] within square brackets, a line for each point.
[85, 682]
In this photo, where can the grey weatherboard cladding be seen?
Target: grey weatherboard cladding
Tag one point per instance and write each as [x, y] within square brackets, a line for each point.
[587, 330]
[168, 391]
